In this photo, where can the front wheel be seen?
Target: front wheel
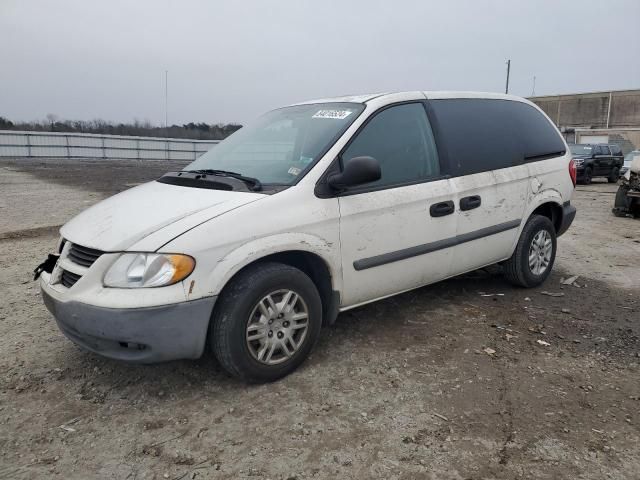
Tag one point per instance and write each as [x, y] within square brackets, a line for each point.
[535, 253]
[588, 176]
[266, 322]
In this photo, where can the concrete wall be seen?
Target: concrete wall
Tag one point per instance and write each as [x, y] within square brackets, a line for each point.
[591, 110]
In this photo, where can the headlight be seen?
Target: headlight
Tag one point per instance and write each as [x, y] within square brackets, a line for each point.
[578, 162]
[136, 270]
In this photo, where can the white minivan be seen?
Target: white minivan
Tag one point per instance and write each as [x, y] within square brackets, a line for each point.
[313, 209]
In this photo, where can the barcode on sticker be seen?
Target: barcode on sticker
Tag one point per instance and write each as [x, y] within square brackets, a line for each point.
[336, 114]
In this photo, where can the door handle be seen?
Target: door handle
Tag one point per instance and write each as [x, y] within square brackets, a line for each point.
[441, 209]
[469, 203]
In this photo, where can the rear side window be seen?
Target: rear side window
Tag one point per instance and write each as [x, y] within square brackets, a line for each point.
[605, 150]
[615, 150]
[483, 134]
[401, 139]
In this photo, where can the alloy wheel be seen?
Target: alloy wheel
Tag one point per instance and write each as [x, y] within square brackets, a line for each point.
[277, 327]
[540, 252]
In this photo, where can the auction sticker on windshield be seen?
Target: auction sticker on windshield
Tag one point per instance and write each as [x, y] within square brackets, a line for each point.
[335, 114]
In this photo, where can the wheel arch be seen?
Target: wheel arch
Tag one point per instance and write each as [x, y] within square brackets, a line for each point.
[551, 210]
[310, 255]
[547, 203]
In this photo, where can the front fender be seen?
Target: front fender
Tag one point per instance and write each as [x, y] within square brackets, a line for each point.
[259, 248]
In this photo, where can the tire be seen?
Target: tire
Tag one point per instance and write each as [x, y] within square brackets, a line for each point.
[621, 203]
[615, 174]
[238, 309]
[518, 270]
[588, 175]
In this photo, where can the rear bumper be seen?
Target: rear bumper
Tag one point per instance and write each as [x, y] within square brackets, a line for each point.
[568, 214]
[141, 335]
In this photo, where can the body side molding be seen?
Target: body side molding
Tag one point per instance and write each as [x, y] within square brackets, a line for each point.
[423, 249]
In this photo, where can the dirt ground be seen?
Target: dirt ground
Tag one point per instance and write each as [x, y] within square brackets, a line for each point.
[403, 388]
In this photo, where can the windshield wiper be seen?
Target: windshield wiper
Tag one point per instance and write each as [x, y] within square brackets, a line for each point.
[253, 183]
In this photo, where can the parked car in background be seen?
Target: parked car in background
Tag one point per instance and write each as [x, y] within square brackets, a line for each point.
[628, 158]
[314, 209]
[597, 160]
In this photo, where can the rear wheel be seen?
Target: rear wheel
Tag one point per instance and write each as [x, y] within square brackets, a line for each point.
[615, 174]
[266, 322]
[535, 253]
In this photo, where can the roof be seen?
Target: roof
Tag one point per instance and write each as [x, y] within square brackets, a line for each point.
[364, 98]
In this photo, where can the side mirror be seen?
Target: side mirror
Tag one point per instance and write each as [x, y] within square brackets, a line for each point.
[356, 171]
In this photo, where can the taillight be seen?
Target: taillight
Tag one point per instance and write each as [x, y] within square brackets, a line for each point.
[573, 172]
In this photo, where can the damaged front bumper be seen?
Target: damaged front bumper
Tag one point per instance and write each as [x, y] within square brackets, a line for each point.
[141, 335]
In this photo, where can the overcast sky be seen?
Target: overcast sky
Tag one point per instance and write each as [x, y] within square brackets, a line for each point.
[230, 61]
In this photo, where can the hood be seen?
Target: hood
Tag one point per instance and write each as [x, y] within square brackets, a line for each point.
[119, 222]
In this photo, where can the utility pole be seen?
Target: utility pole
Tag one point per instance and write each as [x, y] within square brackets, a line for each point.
[166, 99]
[506, 88]
[533, 90]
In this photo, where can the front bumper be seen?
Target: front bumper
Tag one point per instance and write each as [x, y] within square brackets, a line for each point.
[141, 335]
[568, 214]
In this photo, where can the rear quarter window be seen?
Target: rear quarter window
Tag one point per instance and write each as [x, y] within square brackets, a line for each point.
[484, 134]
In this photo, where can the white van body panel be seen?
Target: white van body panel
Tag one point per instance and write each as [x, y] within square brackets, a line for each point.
[224, 245]
[404, 212]
[118, 222]
[504, 195]
[224, 231]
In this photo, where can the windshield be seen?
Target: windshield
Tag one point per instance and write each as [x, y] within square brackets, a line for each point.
[580, 149]
[283, 144]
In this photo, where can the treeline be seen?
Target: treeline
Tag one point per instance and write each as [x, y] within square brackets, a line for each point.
[196, 131]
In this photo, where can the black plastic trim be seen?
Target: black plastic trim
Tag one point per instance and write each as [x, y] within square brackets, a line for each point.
[471, 202]
[405, 253]
[331, 315]
[544, 156]
[441, 209]
[568, 214]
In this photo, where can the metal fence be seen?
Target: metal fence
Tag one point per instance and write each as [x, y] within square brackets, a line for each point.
[18, 144]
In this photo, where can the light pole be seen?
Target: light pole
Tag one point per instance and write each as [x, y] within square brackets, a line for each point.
[166, 100]
[533, 90]
[506, 88]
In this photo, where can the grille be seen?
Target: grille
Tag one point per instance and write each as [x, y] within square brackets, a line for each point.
[84, 256]
[69, 279]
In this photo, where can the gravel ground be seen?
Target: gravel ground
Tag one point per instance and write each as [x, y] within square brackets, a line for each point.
[440, 383]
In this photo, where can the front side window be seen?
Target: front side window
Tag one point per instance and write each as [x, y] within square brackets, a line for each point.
[605, 150]
[400, 138]
[282, 145]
